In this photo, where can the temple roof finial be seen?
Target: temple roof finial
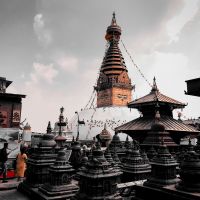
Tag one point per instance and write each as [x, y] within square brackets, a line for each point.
[49, 129]
[154, 86]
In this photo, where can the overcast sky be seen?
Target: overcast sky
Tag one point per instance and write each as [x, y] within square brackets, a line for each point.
[52, 50]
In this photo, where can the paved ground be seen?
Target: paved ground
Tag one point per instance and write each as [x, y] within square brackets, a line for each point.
[8, 191]
[11, 184]
[12, 194]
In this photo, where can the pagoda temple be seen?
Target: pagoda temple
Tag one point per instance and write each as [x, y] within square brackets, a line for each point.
[139, 127]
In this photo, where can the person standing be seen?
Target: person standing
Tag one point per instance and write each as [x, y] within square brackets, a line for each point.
[3, 160]
[21, 164]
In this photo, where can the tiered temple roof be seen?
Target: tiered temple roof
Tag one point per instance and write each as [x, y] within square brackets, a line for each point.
[138, 128]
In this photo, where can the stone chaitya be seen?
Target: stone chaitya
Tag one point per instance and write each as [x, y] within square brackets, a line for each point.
[134, 166]
[38, 164]
[98, 179]
[163, 169]
[190, 172]
[60, 184]
[116, 146]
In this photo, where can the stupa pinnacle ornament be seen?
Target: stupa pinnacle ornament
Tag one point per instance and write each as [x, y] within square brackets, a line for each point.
[113, 85]
[60, 139]
[49, 129]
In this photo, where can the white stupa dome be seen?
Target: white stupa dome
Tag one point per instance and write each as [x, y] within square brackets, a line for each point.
[96, 118]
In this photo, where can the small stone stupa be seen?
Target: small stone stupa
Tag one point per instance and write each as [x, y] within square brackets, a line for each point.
[105, 137]
[60, 184]
[163, 169]
[134, 166]
[38, 164]
[190, 172]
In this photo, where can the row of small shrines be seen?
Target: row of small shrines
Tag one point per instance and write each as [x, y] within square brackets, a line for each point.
[55, 172]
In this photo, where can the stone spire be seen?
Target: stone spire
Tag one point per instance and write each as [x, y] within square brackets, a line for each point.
[49, 129]
[115, 144]
[98, 179]
[113, 85]
[127, 143]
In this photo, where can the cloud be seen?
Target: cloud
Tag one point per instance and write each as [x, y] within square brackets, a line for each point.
[75, 41]
[175, 25]
[43, 72]
[67, 63]
[43, 34]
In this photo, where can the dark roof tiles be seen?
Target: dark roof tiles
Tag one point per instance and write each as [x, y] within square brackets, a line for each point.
[142, 124]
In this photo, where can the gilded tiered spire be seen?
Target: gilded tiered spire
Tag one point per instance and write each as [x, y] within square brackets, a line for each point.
[113, 85]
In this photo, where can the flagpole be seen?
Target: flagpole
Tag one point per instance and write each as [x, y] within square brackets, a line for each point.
[77, 137]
